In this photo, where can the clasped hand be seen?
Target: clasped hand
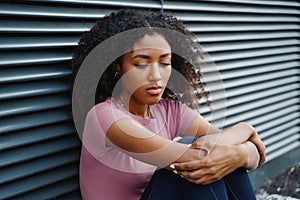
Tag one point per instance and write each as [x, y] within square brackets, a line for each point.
[221, 161]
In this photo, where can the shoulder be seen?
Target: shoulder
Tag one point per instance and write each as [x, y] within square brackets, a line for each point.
[108, 109]
[108, 105]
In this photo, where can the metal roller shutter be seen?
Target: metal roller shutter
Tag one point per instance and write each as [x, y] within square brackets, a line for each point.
[255, 45]
[38, 142]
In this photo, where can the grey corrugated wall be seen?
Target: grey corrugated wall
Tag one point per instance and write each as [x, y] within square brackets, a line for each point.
[254, 44]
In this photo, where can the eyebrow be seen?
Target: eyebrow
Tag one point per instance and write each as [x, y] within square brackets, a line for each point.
[148, 57]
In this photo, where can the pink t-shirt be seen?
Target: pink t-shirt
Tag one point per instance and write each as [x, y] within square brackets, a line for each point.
[109, 174]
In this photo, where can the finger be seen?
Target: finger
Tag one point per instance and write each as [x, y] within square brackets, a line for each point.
[262, 155]
[205, 180]
[261, 148]
[196, 145]
[192, 175]
[198, 174]
[262, 160]
[187, 166]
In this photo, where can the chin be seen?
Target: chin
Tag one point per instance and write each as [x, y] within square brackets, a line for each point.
[154, 100]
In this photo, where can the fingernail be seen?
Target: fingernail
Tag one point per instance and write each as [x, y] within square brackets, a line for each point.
[175, 171]
[172, 166]
[189, 145]
[182, 176]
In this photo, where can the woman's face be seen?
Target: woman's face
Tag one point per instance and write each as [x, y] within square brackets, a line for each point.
[146, 69]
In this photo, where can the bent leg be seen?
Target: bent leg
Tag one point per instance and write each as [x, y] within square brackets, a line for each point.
[165, 184]
[239, 185]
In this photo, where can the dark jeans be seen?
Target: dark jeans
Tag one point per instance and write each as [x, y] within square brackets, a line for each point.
[166, 185]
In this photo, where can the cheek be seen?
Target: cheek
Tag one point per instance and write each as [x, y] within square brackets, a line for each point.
[165, 74]
[133, 80]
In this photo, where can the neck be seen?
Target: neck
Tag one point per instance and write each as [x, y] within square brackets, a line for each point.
[141, 110]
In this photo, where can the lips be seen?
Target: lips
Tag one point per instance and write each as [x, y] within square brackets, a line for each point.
[156, 90]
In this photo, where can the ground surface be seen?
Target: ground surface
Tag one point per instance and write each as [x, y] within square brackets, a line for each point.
[286, 186]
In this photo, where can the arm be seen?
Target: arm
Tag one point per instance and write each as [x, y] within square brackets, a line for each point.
[222, 160]
[138, 142]
[230, 150]
[237, 134]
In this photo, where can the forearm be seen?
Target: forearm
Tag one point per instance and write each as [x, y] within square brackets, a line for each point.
[247, 152]
[142, 144]
[236, 134]
[251, 155]
[164, 156]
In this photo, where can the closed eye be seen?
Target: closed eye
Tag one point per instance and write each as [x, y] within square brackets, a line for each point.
[143, 65]
[165, 64]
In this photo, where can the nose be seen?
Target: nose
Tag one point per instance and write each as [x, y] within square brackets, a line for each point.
[154, 72]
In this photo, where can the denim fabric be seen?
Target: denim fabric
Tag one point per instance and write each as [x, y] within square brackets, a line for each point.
[166, 185]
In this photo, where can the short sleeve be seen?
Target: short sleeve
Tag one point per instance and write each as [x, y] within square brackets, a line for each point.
[185, 119]
[107, 114]
[98, 120]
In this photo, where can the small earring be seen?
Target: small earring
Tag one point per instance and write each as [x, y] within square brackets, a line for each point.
[117, 75]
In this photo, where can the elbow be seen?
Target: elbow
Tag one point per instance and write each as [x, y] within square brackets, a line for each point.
[247, 126]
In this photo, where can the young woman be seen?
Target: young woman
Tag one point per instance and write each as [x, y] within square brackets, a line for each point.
[137, 117]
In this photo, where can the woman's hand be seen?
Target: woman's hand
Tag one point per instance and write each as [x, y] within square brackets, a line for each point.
[222, 160]
[255, 139]
[239, 134]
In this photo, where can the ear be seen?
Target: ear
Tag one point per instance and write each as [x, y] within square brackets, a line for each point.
[118, 69]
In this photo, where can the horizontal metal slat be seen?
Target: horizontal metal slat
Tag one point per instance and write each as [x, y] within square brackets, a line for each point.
[247, 71]
[32, 167]
[281, 151]
[282, 143]
[245, 96]
[291, 98]
[22, 106]
[34, 135]
[213, 83]
[22, 122]
[252, 71]
[36, 42]
[234, 36]
[232, 17]
[223, 7]
[251, 101]
[231, 55]
[126, 3]
[25, 58]
[217, 92]
[21, 74]
[239, 27]
[240, 95]
[62, 190]
[23, 10]
[281, 135]
[284, 3]
[37, 150]
[32, 89]
[261, 78]
[74, 195]
[37, 181]
[13, 26]
[274, 114]
[249, 62]
[259, 116]
[238, 45]
[279, 124]
[289, 113]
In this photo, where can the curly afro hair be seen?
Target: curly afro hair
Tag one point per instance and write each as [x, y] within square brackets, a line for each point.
[128, 19]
